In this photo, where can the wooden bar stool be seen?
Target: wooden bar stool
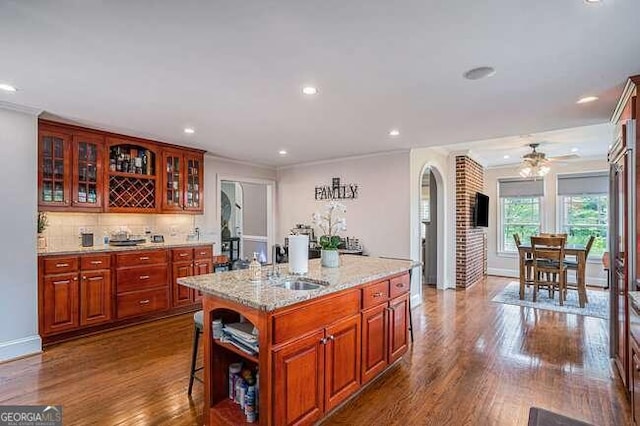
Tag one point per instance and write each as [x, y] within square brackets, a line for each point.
[198, 322]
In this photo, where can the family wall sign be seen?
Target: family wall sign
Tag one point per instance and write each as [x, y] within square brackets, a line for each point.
[337, 191]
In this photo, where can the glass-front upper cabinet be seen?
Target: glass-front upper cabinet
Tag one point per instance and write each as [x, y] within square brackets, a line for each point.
[87, 171]
[54, 169]
[173, 181]
[193, 189]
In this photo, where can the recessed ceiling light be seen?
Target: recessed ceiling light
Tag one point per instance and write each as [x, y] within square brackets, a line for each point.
[282, 152]
[7, 87]
[479, 73]
[587, 99]
[189, 130]
[309, 90]
[394, 132]
[575, 149]
[506, 156]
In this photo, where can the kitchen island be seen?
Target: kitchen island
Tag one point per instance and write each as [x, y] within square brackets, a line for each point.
[317, 348]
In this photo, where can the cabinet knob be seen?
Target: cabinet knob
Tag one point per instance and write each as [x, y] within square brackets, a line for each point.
[144, 302]
[75, 279]
[84, 277]
[332, 337]
[323, 341]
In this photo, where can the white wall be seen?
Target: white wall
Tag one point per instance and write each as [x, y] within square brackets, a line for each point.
[440, 163]
[18, 275]
[214, 168]
[507, 264]
[379, 217]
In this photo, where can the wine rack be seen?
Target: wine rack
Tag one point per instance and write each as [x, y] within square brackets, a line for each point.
[132, 192]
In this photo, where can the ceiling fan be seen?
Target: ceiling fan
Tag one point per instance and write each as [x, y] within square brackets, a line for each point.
[536, 164]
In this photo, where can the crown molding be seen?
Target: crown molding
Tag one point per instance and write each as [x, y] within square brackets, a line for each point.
[21, 108]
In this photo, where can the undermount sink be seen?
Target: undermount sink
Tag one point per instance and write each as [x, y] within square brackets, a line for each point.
[297, 283]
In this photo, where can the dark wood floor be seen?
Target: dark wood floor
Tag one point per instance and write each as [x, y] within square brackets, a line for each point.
[474, 362]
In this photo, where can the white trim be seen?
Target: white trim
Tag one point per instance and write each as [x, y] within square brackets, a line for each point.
[244, 163]
[341, 159]
[20, 347]
[629, 87]
[255, 237]
[20, 108]
[416, 300]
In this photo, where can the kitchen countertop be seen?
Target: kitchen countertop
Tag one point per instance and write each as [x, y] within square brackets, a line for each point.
[105, 248]
[235, 286]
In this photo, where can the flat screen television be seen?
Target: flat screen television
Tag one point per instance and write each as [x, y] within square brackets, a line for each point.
[481, 210]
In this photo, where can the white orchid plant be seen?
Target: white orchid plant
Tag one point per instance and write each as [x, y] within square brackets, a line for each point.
[330, 223]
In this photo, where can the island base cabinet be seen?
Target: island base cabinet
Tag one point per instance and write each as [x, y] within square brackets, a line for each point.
[342, 366]
[317, 373]
[299, 382]
[374, 342]
[398, 327]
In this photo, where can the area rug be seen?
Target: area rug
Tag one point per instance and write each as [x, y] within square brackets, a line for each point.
[598, 305]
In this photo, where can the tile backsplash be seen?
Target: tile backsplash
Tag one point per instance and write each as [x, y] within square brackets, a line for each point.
[64, 228]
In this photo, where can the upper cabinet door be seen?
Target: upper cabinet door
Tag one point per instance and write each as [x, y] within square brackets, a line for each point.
[88, 175]
[54, 169]
[194, 182]
[173, 181]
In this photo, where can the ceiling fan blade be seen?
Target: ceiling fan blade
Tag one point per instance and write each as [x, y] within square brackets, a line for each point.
[565, 157]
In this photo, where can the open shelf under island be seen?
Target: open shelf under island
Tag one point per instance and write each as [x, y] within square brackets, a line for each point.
[317, 348]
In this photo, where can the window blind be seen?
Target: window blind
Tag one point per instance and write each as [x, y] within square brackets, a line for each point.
[520, 187]
[583, 183]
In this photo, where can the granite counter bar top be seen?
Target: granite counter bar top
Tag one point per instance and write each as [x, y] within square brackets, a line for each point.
[235, 286]
[105, 248]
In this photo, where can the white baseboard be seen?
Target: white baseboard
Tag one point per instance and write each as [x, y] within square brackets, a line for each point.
[511, 273]
[20, 347]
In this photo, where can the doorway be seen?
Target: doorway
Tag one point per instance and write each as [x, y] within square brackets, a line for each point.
[246, 218]
[429, 226]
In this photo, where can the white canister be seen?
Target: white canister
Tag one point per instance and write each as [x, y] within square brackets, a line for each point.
[216, 325]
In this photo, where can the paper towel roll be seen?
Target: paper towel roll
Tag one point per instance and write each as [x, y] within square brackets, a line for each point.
[298, 254]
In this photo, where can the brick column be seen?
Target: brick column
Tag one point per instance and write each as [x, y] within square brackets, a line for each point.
[469, 240]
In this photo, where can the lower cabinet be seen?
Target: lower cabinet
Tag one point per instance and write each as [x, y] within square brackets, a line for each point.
[60, 311]
[635, 385]
[315, 374]
[384, 335]
[95, 297]
[77, 292]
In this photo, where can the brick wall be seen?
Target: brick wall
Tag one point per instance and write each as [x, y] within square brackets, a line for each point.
[470, 241]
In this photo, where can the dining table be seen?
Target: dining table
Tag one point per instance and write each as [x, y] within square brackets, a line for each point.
[577, 250]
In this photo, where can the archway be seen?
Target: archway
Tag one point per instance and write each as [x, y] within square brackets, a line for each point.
[431, 219]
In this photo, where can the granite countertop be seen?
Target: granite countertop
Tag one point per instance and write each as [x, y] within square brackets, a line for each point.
[105, 248]
[235, 286]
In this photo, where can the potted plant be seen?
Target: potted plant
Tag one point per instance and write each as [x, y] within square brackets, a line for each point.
[42, 225]
[330, 223]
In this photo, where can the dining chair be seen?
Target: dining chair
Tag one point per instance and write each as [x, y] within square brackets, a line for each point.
[549, 269]
[554, 235]
[528, 262]
[572, 265]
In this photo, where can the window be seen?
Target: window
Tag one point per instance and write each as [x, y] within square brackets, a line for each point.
[520, 206]
[583, 209]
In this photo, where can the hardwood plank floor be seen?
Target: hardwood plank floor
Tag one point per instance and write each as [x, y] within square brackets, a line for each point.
[474, 362]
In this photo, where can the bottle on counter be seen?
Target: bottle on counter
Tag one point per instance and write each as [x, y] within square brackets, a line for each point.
[255, 269]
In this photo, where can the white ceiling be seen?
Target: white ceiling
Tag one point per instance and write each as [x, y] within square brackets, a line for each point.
[233, 70]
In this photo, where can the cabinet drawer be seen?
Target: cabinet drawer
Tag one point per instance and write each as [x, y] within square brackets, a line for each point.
[60, 265]
[399, 285]
[137, 258]
[88, 263]
[182, 254]
[204, 252]
[375, 294]
[142, 302]
[134, 279]
[297, 321]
